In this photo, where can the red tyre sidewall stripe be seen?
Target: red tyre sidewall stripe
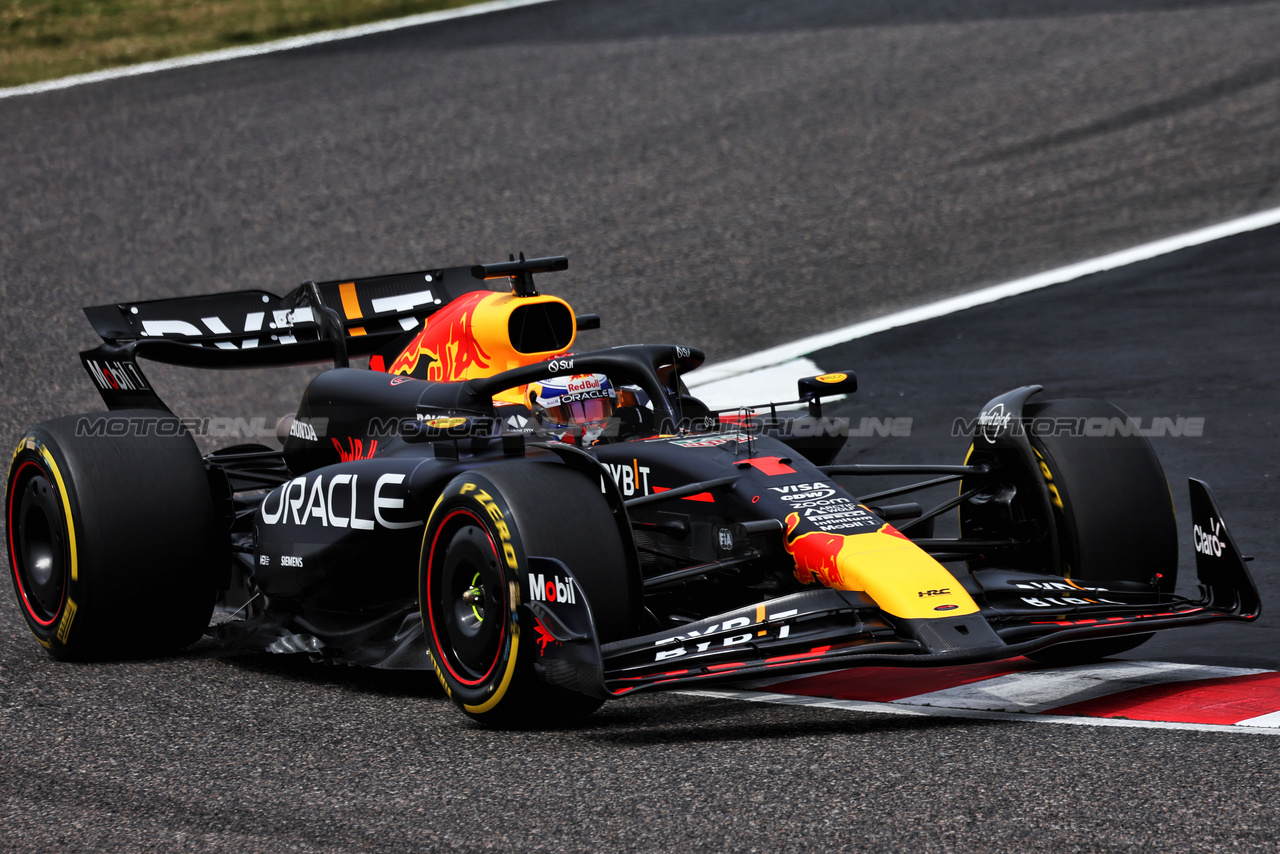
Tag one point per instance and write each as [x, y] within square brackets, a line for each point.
[431, 618]
[13, 555]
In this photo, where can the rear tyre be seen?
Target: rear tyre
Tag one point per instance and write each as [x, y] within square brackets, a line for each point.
[1111, 507]
[474, 556]
[114, 545]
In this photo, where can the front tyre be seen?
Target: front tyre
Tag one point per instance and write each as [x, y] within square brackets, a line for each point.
[1111, 508]
[474, 556]
[112, 536]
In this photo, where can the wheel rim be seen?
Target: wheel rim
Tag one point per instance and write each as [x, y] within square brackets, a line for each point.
[466, 599]
[37, 547]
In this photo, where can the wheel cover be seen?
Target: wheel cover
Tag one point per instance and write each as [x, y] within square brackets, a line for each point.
[37, 544]
[466, 602]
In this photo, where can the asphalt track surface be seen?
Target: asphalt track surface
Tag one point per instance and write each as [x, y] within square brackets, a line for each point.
[731, 175]
[1166, 338]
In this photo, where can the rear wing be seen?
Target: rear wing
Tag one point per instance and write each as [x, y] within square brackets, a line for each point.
[317, 322]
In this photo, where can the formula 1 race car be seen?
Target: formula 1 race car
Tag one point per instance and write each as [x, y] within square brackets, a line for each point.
[546, 529]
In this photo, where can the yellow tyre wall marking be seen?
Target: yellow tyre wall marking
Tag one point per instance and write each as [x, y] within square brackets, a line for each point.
[506, 676]
[66, 508]
[64, 625]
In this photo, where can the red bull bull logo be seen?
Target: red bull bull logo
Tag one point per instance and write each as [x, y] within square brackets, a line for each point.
[448, 343]
[816, 554]
[355, 449]
[884, 564]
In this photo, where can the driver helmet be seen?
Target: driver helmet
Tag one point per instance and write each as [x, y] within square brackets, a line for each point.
[578, 403]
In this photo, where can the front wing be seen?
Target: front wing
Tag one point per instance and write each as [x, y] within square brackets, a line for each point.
[825, 629]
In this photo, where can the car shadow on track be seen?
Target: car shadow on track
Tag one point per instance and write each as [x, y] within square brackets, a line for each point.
[651, 719]
[299, 668]
[691, 720]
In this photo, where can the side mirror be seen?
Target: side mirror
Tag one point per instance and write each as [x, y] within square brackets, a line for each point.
[812, 389]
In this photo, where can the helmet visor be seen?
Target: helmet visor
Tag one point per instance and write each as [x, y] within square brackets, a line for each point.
[580, 411]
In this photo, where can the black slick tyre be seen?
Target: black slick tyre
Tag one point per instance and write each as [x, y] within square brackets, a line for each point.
[113, 542]
[475, 552]
[1112, 509]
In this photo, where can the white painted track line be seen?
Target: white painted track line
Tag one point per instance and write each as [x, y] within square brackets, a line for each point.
[266, 47]
[1269, 720]
[712, 380]
[770, 384]
[771, 374]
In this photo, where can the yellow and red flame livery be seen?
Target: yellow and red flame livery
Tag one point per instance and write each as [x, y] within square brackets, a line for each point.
[470, 337]
[901, 577]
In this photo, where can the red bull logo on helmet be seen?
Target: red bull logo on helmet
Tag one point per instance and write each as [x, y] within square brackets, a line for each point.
[581, 383]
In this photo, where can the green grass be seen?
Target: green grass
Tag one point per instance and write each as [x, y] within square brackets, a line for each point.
[45, 39]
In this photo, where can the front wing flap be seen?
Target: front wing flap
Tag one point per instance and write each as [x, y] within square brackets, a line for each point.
[825, 629]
